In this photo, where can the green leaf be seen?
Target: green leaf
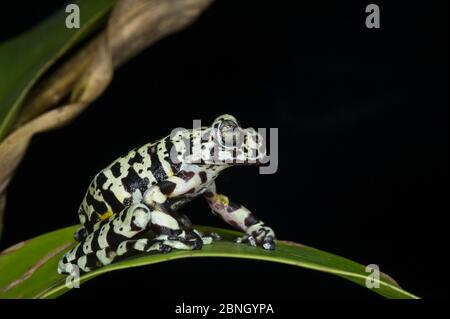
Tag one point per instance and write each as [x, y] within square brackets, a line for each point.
[28, 269]
[26, 57]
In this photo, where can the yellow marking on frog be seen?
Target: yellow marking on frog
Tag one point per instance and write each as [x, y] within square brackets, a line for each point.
[222, 199]
[106, 215]
[167, 168]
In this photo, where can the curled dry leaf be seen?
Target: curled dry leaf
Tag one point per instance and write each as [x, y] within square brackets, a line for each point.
[132, 26]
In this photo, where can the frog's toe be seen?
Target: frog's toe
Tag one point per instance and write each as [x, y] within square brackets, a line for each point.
[198, 244]
[165, 249]
[208, 237]
[252, 241]
[206, 240]
[215, 236]
[265, 237]
[269, 243]
[195, 238]
[246, 239]
[241, 240]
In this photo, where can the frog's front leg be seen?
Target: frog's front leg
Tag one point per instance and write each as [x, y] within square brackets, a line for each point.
[177, 186]
[242, 219]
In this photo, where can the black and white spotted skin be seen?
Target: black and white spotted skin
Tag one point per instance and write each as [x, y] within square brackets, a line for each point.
[131, 206]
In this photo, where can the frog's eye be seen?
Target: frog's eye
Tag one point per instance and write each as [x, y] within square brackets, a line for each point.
[227, 132]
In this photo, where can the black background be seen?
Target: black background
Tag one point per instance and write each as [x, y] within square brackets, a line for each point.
[363, 142]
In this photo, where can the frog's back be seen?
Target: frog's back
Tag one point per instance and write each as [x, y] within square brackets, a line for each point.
[123, 182]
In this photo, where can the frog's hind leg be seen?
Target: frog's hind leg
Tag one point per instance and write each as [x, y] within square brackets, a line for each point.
[121, 236]
[87, 254]
[107, 255]
[127, 248]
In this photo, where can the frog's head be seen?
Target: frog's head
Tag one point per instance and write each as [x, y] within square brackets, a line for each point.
[226, 143]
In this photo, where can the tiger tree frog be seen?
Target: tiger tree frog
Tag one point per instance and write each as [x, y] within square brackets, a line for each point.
[131, 206]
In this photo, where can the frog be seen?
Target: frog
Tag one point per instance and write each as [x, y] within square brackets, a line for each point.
[131, 206]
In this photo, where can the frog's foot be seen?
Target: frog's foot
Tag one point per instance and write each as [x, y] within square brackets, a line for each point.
[121, 236]
[161, 243]
[190, 238]
[207, 237]
[259, 235]
[136, 246]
